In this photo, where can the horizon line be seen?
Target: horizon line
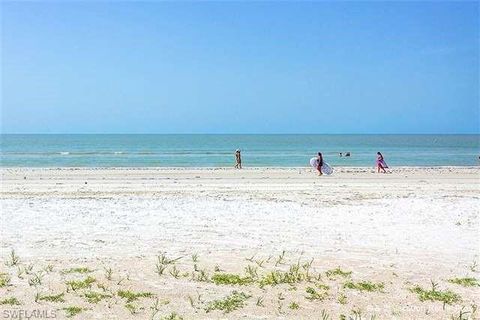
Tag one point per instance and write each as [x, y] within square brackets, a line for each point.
[150, 133]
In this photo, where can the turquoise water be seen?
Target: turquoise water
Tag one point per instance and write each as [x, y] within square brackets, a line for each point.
[218, 150]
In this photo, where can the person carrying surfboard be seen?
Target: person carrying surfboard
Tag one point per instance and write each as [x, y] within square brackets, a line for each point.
[319, 163]
[381, 164]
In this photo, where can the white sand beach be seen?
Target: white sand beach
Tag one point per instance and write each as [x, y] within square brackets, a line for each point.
[394, 232]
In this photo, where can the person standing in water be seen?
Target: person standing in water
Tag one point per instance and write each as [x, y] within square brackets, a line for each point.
[381, 164]
[319, 163]
[238, 159]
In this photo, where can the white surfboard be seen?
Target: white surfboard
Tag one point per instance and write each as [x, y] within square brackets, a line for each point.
[326, 169]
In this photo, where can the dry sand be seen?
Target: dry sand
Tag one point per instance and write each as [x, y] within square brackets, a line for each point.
[403, 229]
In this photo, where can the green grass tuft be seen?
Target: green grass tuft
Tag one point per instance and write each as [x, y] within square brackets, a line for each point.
[52, 298]
[72, 311]
[78, 270]
[172, 316]
[293, 275]
[96, 297]
[229, 278]
[131, 307]
[230, 303]
[447, 297]
[465, 282]
[342, 298]
[80, 284]
[338, 272]
[315, 295]
[364, 286]
[4, 280]
[13, 259]
[132, 296]
[10, 301]
[294, 306]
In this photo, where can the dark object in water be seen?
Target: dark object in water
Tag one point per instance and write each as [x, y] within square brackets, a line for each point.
[347, 154]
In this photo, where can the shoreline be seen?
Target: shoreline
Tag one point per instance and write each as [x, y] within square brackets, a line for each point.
[244, 168]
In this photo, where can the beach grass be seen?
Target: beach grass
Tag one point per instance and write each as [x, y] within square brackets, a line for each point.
[12, 301]
[230, 279]
[338, 272]
[131, 296]
[465, 282]
[364, 286]
[13, 259]
[78, 270]
[80, 284]
[72, 311]
[434, 294]
[172, 316]
[228, 304]
[4, 280]
[95, 297]
[314, 294]
[52, 298]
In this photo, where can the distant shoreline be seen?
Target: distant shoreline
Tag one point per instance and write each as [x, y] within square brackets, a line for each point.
[159, 168]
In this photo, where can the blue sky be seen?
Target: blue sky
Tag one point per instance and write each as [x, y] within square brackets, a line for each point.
[226, 67]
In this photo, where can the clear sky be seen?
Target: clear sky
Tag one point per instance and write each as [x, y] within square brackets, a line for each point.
[226, 67]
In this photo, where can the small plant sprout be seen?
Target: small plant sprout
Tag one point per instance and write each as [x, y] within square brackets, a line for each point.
[474, 266]
[36, 280]
[72, 311]
[108, 274]
[48, 268]
[342, 298]
[200, 276]
[260, 263]
[191, 301]
[195, 257]
[163, 259]
[131, 307]
[13, 259]
[172, 316]
[4, 280]
[20, 272]
[325, 315]
[259, 302]
[155, 309]
[293, 305]
[462, 315]
[160, 268]
[251, 271]
[280, 259]
[337, 272]
[174, 272]
[29, 269]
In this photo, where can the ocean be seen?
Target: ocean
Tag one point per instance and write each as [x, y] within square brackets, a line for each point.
[192, 150]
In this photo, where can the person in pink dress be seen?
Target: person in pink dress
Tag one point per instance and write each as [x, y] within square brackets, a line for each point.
[381, 164]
